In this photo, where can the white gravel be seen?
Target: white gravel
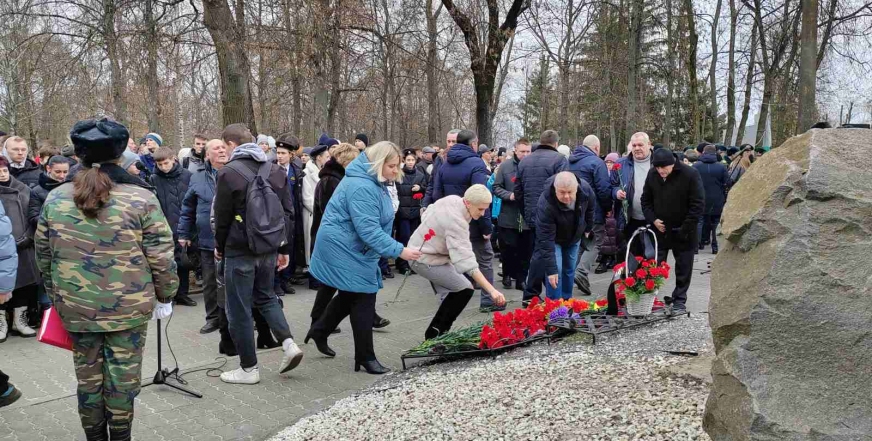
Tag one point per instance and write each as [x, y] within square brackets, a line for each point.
[615, 390]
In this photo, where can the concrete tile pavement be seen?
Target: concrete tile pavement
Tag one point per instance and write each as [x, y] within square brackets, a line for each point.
[234, 412]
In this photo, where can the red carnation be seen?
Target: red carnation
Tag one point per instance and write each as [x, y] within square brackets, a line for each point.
[646, 264]
[432, 233]
[616, 167]
[630, 281]
[514, 178]
[601, 302]
[639, 259]
[418, 196]
[640, 273]
[649, 285]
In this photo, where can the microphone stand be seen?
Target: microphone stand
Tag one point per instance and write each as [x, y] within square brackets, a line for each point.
[163, 375]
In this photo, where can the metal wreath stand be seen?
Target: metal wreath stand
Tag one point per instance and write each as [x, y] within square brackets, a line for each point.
[626, 269]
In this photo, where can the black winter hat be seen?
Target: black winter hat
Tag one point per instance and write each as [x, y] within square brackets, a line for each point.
[317, 151]
[662, 158]
[99, 140]
[362, 137]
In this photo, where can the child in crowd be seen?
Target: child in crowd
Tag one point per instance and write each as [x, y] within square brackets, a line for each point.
[171, 181]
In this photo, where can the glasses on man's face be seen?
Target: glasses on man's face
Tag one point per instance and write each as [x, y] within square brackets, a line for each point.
[610, 162]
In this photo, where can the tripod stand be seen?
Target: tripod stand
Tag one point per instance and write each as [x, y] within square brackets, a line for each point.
[163, 375]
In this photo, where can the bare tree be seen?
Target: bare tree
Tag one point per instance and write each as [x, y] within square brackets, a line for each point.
[731, 73]
[713, 86]
[637, 9]
[485, 56]
[228, 33]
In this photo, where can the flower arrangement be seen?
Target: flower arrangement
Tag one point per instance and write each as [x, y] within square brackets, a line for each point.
[648, 278]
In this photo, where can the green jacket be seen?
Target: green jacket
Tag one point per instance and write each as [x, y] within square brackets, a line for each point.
[103, 274]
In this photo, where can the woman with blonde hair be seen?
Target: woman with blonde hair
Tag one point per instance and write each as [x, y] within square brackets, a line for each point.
[447, 259]
[355, 232]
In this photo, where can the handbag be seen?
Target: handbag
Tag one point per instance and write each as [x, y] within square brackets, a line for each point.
[52, 331]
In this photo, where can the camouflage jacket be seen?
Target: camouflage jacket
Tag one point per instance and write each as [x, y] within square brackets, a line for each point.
[103, 273]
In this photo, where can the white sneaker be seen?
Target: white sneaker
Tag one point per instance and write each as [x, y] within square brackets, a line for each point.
[4, 327]
[241, 376]
[19, 322]
[293, 356]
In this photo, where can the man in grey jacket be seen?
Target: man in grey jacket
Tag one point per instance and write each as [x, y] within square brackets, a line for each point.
[516, 238]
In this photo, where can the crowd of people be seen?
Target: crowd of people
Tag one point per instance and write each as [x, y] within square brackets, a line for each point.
[113, 232]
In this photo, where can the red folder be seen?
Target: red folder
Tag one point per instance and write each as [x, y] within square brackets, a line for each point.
[52, 331]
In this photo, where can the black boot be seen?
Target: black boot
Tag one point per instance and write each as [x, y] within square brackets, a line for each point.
[98, 433]
[320, 343]
[121, 433]
[379, 322]
[507, 281]
[372, 367]
[448, 311]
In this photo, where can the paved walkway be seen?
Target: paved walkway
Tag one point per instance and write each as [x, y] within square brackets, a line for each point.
[234, 412]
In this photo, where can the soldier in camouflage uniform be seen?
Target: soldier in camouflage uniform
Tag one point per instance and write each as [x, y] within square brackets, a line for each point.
[106, 255]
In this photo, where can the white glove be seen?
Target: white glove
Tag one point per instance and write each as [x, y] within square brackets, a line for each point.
[162, 311]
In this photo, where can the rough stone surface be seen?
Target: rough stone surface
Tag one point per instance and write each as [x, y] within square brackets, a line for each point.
[791, 303]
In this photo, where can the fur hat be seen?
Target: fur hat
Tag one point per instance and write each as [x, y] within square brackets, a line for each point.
[99, 140]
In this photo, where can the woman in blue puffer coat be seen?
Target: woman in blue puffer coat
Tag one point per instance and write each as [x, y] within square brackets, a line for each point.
[355, 232]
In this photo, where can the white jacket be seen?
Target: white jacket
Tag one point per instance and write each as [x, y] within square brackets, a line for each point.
[310, 181]
[449, 219]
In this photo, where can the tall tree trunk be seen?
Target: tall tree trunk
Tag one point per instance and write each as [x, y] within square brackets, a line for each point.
[713, 83]
[808, 66]
[228, 34]
[153, 107]
[432, 81]
[485, 58]
[110, 41]
[731, 76]
[749, 82]
[693, 83]
[670, 77]
[636, 10]
[296, 77]
[501, 81]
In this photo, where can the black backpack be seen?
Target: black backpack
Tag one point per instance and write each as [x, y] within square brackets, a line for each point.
[265, 225]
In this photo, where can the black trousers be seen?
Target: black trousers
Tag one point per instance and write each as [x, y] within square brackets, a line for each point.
[210, 285]
[24, 296]
[683, 252]
[4, 382]
[323, 297]
[448, 311]
[535, 275]
[360, 307]
[516, 249]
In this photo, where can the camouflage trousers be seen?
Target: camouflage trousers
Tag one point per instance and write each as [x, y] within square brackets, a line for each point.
[108, 367]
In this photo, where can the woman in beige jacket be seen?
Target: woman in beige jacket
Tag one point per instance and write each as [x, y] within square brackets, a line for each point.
[447, 259]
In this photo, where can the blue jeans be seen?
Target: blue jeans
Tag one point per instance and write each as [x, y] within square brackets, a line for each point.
[566, 256]
[249, 283]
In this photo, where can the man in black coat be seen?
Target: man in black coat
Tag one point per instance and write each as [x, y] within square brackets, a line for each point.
[21, 167]
[533, 172]
[56, 170]
[171, 182]
[715, 181]
[673, 201]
